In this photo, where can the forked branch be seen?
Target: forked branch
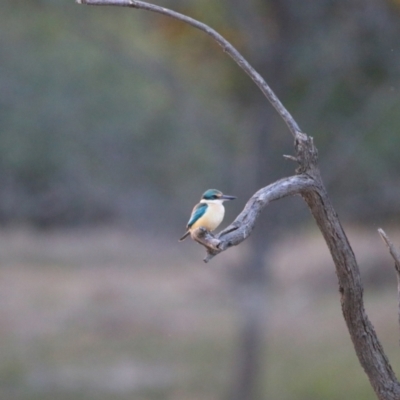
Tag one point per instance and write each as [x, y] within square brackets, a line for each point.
[309, 185]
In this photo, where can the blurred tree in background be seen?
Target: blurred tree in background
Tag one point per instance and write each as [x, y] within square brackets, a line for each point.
[94, 127]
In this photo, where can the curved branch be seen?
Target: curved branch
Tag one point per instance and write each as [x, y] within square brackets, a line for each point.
[226, 47]
[241, 228]
[310, 186]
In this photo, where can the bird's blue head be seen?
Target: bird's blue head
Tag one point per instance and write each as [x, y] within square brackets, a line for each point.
[213, 194]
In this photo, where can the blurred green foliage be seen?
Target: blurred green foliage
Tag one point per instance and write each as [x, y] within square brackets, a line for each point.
[105, 113]
[93, 124]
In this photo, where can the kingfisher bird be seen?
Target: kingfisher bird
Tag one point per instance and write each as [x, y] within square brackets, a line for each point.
[209, 213]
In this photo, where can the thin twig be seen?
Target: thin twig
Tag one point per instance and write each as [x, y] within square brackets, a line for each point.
[392, 249]
[396, 257]
[227, 47]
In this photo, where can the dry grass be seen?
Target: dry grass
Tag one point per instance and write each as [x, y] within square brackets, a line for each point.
[106, 314]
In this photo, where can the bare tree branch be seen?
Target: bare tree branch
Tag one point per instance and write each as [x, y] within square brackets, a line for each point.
[394, 252]
[226, 47]
[241, 228]
[308, 183]
[366, 343]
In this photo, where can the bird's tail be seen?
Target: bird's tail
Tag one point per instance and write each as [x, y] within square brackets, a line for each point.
[184, 236]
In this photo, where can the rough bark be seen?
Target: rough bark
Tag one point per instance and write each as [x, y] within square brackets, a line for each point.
[309, 185]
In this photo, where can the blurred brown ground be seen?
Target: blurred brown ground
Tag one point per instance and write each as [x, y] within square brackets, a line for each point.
[109, 314]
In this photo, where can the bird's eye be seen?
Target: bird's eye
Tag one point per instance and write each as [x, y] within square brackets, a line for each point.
[215, 197]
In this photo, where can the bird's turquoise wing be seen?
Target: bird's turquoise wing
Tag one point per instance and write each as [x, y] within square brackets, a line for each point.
[198, 211]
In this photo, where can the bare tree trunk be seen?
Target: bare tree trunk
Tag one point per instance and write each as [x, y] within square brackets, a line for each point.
[252, 284]
[249, 285]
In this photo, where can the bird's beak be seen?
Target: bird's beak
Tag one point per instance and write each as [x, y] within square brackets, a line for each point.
[226, 197]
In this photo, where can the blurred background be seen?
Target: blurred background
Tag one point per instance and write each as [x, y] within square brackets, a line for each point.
[113, 122]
